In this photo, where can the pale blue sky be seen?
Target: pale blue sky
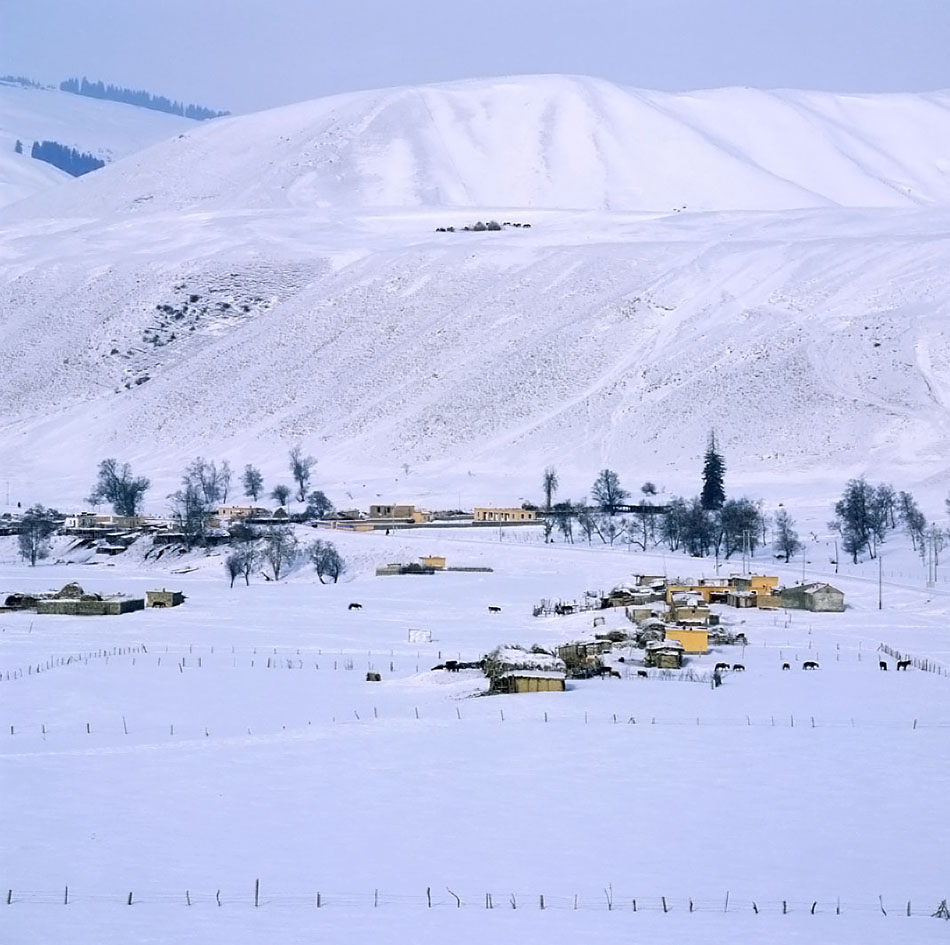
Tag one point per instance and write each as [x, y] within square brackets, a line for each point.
[249, 54]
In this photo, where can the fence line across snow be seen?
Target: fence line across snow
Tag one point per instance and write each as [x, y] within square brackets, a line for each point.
[258, 896]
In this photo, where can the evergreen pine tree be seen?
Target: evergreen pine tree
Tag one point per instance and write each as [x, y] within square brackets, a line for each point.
[714, 470]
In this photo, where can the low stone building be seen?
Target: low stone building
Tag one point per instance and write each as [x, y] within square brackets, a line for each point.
[817, 596]
[164, 598]
[664, 654]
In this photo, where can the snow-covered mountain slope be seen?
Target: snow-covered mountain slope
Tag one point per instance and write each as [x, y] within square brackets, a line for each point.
[109, 130]
[244, 295]
[551, 142]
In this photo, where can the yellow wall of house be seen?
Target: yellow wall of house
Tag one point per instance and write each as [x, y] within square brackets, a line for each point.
[505, 515]
[694, 641]
[434, 561]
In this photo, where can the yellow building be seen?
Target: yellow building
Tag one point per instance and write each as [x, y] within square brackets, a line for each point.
[760, 583]
[505, 515]
[433, 561]
[693, 639]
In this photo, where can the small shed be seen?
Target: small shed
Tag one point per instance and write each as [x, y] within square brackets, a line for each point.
[528, 680]
[664, 654]
[433, 561]
[164, 598]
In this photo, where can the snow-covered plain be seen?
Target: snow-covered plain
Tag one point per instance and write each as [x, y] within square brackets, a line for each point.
[256, 750]
[782, 279]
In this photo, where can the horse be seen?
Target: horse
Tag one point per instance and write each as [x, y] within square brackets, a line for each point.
[494, 610]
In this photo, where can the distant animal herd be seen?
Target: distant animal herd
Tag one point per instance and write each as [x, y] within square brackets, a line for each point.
[492, 225]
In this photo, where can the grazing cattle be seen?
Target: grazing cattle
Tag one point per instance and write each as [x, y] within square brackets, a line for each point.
[452, 666]
[882, 664]
[610, 672]
[738, 668]
[621, 659]
[355, 606]
[809, 664]
[494, 610]
[903, 664]
[373, 677]
[720, 666]
[786, 666]
[642, 673]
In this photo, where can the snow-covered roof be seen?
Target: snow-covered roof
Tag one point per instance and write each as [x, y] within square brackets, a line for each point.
[665, 645]
[533, 674]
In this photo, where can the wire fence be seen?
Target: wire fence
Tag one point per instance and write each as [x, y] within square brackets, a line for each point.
[125, 726]
[609, 899]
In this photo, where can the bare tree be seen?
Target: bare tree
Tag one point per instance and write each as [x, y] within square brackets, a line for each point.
[563, 514]
[240, 562]
[281, 494]
[300, 467]
[607, 493]
[37, 524]
[225, 480]
[117, 486]
[318, 505]
[253, 482]
[549, 484]
[913, 519]
[785, 538]
[280, 549]
[196, 502]
[327, 560]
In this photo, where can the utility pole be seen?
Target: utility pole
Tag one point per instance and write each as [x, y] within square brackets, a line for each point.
[880, 582]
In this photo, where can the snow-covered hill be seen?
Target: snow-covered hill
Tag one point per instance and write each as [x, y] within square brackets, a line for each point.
[557, 143]
[109, 130]
[277, 278]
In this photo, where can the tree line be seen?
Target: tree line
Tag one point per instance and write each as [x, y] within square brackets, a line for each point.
[67, 159]
[137, 97]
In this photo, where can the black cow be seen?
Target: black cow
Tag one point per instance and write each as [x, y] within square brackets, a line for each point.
[642, 673]
[738, 668]
[882, 664]
[494, 610]
[355, 606]
[786, 666]
[720, 666]
[903, 664]
[809, 664]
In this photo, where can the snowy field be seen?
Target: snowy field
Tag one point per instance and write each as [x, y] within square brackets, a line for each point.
[183, 755]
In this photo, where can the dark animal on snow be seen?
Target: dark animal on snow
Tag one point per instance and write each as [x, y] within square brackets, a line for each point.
[494, 610]
[621, 659]
[355, 606]
[882, 664]
[452, 666]
[738, 668]
[642, 673]
[373, 677]
[786, 665]
[809, 664]
[610, 672]
[720, 666]
[903, 664]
